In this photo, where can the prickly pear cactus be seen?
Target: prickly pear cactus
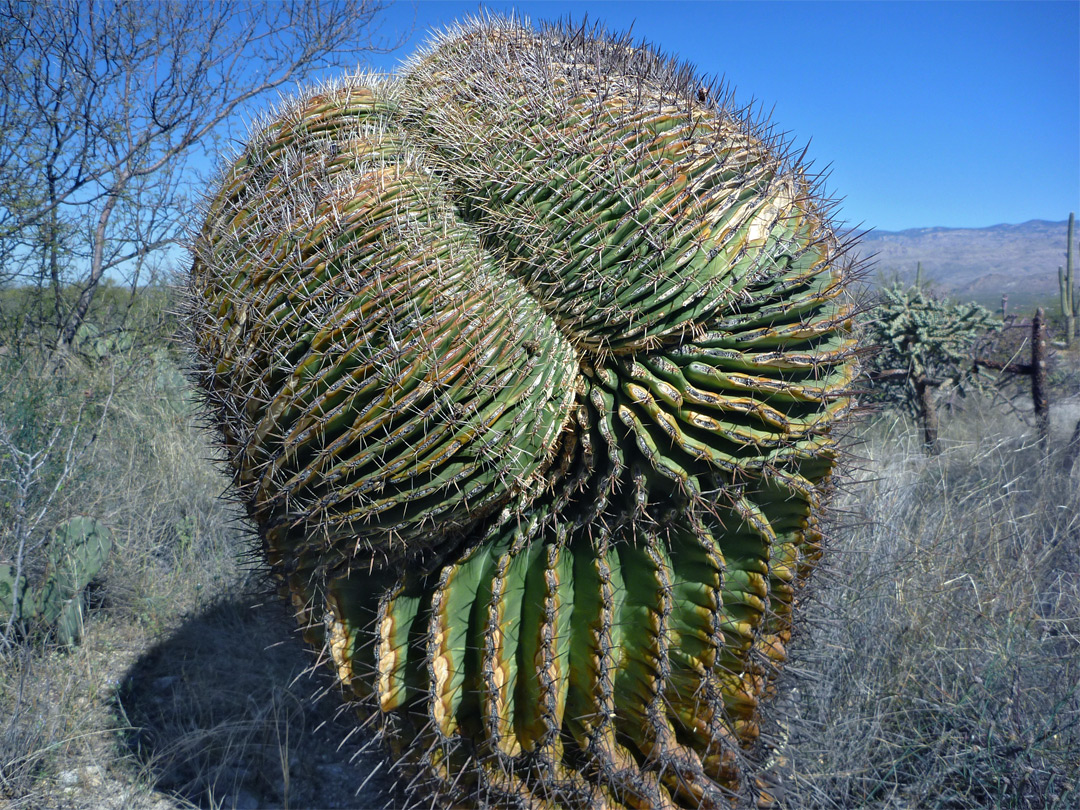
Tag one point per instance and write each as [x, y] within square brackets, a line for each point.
[77, 550]
[527, 362]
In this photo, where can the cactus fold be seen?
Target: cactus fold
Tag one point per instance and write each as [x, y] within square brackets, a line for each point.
[527, 363]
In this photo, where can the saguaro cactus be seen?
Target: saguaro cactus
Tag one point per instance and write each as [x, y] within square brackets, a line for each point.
[1070, 299]
[527, 363]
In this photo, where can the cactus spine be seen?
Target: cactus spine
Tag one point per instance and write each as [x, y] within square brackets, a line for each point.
[1070, 298]
[77, 551]
[527, 363]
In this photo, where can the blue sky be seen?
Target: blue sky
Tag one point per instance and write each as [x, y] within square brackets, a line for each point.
[960, 114]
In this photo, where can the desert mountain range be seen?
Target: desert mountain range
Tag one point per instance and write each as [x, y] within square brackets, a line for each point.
[978, 264]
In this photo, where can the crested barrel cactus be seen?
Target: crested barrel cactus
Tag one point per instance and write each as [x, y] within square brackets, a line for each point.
[527, 363]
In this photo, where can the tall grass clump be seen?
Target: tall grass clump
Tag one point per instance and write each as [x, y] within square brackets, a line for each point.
[944, 671]
[179, 691]
[108, 432]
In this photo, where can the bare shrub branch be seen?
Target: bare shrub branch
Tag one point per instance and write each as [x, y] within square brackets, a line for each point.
[105, 106]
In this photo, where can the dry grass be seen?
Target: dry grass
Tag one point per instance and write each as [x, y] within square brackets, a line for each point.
[943, 666]
[226, 711]
[43, 721]
[940, 668]
[191, 687]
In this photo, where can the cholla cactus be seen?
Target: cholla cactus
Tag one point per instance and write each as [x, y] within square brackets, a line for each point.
[527, 363]
[925, 342]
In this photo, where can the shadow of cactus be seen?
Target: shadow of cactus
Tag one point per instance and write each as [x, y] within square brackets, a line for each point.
[226, 712]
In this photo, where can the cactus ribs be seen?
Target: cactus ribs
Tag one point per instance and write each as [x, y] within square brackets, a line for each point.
[527, 362]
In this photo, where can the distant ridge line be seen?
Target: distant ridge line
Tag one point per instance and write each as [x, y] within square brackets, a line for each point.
[979, 263]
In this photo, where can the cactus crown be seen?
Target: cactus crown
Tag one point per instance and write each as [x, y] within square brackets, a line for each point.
[526, 362]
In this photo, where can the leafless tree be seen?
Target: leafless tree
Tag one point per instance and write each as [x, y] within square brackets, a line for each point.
[106, 105]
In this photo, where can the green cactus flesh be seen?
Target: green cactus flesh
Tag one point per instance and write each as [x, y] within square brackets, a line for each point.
[526, 362]
[12, 592]
[77, 551]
